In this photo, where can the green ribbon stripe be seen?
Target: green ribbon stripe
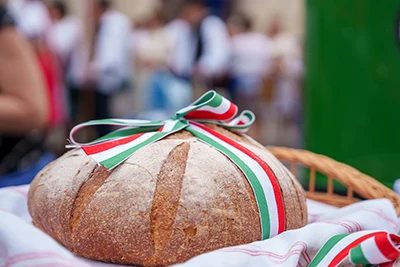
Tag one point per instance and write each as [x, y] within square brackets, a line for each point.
[210, 99]
[357, 256]
[125, 133]
[325, 249]
[117, 122]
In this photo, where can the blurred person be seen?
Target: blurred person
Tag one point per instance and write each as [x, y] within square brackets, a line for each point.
[23, 108]
[31, 17]
[51, 71]
[109, 66]
[33, 22]
[287, 75]
[250, 64]
[65, 39]
[163, 91]
[220, 8]
[153, 44]
[152, 48]
[201, 44]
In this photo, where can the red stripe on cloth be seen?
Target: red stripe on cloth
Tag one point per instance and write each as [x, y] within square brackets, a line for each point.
[54, 264]
[383, 216]
[345, 252]
[307, 256]
[386, 246]
[28, 256]
[348, 227]
[17, 190]
[208, 115]
[356, 224]
[297, 248]
[265, 167]
[93, 149]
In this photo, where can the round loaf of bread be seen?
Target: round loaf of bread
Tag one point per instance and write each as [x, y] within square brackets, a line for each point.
[170, 201]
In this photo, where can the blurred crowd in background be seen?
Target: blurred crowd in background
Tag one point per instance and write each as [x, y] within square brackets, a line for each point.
[66, 62]
[105, 64]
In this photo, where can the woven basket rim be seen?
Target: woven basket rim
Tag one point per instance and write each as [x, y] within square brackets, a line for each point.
[354, 180]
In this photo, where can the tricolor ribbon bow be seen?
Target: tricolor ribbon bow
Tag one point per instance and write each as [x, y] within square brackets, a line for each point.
[115, 147]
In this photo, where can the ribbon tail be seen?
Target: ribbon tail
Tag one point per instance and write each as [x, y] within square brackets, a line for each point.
[364, 247]
[210, 106]
[111, 153]
[261, 178]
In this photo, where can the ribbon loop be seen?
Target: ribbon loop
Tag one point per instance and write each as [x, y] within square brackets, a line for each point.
[130, 127]
[210, 106]
[240, 124]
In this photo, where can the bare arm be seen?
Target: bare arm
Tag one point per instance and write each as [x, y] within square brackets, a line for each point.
[23, 99]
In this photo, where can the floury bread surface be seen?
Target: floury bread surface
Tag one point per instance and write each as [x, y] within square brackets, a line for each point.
[170, 201]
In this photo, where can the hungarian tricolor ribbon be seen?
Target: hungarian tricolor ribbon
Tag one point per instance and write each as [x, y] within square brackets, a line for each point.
[360, 248]
[117, 146]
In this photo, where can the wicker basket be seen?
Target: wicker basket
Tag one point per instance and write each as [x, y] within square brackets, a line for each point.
[355, 181]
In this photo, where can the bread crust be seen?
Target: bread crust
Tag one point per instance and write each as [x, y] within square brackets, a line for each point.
[172, 200]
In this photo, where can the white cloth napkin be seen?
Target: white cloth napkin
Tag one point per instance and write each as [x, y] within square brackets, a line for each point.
[299, 247]
[22, 245]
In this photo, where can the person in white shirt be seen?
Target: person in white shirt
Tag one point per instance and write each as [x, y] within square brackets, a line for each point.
[65, 36]
[65, 39]
[288, 61]
[152, 49]
[250, 64]
[287, 53]
[109, 66]
[201, 43]
[250, 61]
